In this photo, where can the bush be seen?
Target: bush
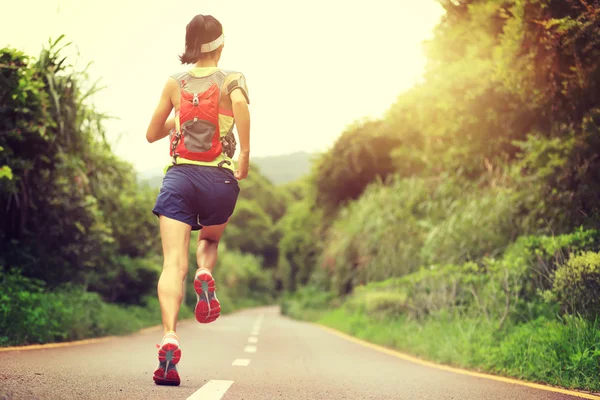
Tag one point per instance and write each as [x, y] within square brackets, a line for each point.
[307, 302]
[127, 280]
[499, 292]
[299, 244]
[31, 314]
[388, 304]
[536, 258]
[481, 223]
[577, 285]
[358, 157]
[393, 230]
[378, 236]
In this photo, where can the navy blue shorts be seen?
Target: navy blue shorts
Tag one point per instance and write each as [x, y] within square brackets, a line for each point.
[197, 195]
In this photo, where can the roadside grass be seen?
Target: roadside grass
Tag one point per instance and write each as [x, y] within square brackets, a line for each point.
[564, 353]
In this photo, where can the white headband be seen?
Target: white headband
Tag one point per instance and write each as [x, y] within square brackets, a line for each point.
[212, 46]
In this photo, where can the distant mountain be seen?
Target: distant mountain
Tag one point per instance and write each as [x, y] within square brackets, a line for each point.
[284, 168]
[279, 169]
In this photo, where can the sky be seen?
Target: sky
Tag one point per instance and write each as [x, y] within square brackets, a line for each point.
[313, 67]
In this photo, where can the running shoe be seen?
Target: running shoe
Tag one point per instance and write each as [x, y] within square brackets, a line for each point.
[208, 307]
[169, 355]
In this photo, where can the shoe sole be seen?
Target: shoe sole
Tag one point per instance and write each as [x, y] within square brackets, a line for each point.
[166, 373]
[208, 307]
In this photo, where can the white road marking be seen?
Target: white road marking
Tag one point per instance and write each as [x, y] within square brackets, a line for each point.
[212, 390]
[241, 362]
[252, 339]
[256, 328]
[250, 349]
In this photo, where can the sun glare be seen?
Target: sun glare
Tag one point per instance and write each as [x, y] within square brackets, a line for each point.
[312, 68]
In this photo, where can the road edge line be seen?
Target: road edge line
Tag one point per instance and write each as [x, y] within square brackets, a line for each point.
[75, 342]
[413, 359]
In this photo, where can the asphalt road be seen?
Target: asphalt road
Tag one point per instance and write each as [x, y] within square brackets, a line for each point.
[251, 355]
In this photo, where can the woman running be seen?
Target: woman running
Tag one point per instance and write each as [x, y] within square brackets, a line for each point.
[200, 188]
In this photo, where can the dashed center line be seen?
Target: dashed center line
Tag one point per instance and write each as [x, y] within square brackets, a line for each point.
[250, 349]
[255, 330]
[244, 362]
[212, 390]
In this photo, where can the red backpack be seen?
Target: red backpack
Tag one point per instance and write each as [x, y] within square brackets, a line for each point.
[199, 138]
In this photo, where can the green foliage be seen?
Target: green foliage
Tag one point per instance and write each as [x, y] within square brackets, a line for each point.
[72, 211]
[126, 280]
[30, 313]
[256, 187]
[381, 305]
[577, 284]
[359, 156]
[534, 259]
[253, 224]
[363, 243]
[557, 175]
[509, 289]
[393, 230]
[480, 223]
[5, 171]
[243, 278]
[252, 231]
[299, 244]
[307, 302]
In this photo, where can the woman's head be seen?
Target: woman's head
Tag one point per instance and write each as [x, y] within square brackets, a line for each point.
[203, 39]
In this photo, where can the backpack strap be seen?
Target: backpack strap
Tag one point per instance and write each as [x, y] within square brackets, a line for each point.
[180, 78]
[239, 82]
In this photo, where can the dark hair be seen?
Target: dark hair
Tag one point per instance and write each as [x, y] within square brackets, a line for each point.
[202, 29]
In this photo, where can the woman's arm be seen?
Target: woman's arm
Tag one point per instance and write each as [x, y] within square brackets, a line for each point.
[241, 113]
[159, 125]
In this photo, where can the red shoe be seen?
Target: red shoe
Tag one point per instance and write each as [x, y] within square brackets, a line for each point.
[208, 307]
[169, 355]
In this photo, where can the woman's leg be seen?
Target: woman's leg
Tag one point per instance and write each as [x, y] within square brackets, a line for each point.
[208, 307]
[175, 236]
[208, 243]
